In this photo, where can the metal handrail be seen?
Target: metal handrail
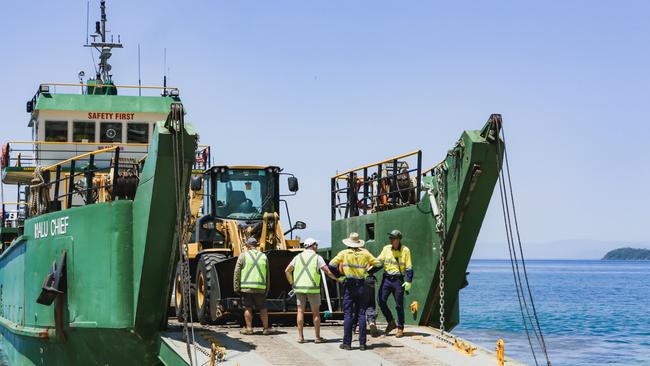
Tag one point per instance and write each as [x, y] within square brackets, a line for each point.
[127, 144]
[86, 143]
[359, 182]
[377, 163]
[112, 86]
[96, 152]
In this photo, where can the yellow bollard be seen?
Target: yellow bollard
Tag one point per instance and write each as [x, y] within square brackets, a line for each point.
[501, 357]
[217, 354]
[463, 347]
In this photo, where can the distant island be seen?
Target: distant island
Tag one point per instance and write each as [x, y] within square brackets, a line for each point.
[628, 254]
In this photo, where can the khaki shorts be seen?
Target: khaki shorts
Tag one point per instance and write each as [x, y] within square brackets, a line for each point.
[257, 299]
[301, 299]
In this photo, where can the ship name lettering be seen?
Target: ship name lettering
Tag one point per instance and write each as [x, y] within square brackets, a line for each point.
[58, 226]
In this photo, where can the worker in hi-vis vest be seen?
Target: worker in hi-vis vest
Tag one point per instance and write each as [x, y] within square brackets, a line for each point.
[398, 276]
[303, 273]
[251, 280]
[355, 262]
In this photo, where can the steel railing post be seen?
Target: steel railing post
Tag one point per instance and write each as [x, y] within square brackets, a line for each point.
[419, 177]
[89, 179]
[68, 200]
[116, 168]
[333, 198]
[57, 182]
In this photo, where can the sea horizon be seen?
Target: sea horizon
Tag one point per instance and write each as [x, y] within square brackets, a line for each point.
[588, 309]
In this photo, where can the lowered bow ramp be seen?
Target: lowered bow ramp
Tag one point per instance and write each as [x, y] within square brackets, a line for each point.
[155, 228]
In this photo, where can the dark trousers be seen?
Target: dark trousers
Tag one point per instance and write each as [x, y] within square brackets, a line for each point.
[353, 304]
[392, 286]
[369, 295]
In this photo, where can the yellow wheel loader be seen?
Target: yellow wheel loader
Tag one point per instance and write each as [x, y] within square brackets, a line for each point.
[228, 205]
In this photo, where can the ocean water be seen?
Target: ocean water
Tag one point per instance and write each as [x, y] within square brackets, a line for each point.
[591, 312]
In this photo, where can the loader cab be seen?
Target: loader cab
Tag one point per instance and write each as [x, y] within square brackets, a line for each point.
[243, 193]
[241, 196]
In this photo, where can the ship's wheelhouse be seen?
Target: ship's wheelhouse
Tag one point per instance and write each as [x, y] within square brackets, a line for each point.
[67, 125]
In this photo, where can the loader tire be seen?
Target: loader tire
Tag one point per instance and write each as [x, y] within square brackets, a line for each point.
[208, 292]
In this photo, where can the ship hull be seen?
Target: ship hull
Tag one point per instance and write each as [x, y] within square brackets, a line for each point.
[119, 258]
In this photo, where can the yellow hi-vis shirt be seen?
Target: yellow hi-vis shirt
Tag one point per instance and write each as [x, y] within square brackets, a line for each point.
[395, 261]
[355, 262]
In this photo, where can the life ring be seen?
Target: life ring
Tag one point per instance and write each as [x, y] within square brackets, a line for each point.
[5, 155]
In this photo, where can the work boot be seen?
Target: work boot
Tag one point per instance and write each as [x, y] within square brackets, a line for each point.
[345, 347]
[391, 325]
[373, 330]
[362, 347]
[400, 333]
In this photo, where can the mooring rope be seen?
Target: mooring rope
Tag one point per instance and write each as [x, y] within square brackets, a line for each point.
[516, 254]
[176, 125]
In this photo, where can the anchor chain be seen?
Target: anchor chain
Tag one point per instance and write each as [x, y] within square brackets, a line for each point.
[440, 229]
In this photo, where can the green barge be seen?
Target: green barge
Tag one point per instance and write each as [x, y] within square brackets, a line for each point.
[89, 245]
[437, 210]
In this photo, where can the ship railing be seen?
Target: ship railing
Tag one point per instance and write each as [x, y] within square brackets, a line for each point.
[82, 88]
[380, 186]
[34, 153]
[97, 183]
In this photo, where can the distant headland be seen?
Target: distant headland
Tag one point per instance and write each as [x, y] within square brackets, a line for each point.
[628, 254]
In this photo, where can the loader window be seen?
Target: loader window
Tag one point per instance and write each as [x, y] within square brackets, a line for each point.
[244, 194]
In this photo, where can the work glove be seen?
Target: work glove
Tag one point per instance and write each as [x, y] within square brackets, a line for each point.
[341, 279]
[407, 286]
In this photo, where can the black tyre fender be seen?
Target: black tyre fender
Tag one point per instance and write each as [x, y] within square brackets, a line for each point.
[208, 291]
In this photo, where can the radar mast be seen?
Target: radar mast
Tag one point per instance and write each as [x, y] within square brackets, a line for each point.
[104, 47]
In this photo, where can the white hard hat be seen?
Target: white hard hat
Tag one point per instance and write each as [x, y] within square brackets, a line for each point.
[309, 242]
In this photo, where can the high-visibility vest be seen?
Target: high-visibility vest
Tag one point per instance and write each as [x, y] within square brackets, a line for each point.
[253, 275]
[307, 280]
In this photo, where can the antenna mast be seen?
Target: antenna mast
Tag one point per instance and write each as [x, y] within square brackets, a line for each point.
[139, 78]
[103, 47]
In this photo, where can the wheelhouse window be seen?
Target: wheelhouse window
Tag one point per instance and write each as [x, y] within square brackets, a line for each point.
[110, 132]
[137, 133]
[56, 131]
[83, 131]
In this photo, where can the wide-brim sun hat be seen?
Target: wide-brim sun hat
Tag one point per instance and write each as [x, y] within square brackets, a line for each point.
[353, 241]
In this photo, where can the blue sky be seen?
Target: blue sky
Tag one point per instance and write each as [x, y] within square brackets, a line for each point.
[320, 86]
